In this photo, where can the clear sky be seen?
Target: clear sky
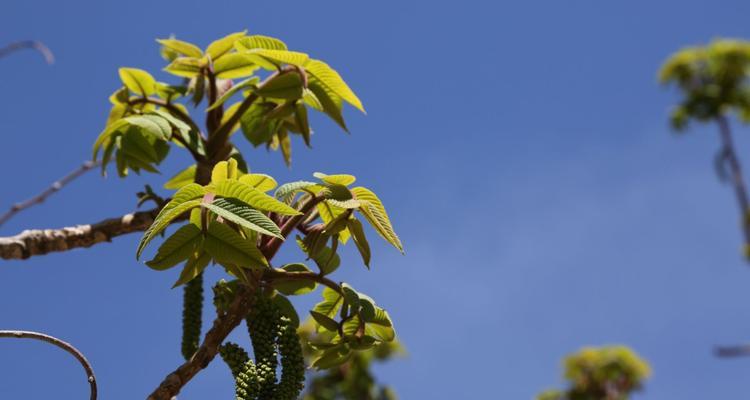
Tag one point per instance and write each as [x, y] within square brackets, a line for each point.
[521, 149]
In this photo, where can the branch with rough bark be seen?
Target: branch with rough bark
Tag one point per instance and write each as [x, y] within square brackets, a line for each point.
[37, 242]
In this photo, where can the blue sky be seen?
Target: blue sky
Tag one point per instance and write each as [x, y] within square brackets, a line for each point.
[521, 149]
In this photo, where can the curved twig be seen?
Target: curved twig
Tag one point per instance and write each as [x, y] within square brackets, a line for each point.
[56, 186]
[61, 344]
[29, 44]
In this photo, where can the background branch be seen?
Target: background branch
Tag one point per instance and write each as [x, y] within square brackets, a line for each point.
[732, 351]
[61, 344]
[29, 44]
[41, 197]
[737, 180]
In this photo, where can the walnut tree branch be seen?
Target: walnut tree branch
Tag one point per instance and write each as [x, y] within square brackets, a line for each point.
[41, 197]
[61, 344]
[737, 180]
[38, 242]
[29, 44]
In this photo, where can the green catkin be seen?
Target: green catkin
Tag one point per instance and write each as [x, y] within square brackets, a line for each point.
[263, 325]
[191, 316]
[292, 362]
[247, 384]
[235, 357]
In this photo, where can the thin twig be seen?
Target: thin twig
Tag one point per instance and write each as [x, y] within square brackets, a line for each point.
[737, 180]
[61, 344]
[29, 44]
[41, 197]
[732, 351]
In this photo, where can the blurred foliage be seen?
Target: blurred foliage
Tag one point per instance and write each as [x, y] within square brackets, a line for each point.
[713, 79]
[352, 380]
[605, 373]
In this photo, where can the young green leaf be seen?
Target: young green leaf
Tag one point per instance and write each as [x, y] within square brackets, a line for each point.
[338, 179]
[186, 67]
[249, 82]
[176, 248]
[295, 287]
[227, 247]
[277, 57]
[234, 65]
[324, 321]
[358, 235]
[253, 197]
[331, 303]
[193, 267]
[286, 86]
[288, 190]
[138, 81]
[261, 182]
[332, 80]
[165, 217]
[259, 42]
[242, 214]
[219, 47]
[374, 211]
[183, 48]
[329, 101]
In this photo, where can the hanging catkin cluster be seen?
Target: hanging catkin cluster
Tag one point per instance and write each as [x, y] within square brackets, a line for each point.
[273, 337]
[191, 316]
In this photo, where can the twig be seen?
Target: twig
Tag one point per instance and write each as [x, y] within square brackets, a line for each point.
[29, 44]
[41, 197]
[737, 180]
[732, 351]
[61, 344]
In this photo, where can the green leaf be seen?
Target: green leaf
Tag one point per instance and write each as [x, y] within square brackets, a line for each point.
[242, 214]
[106, 135]
[277, 57]
[151, 124]
[333, 357]
[253, 197]
[324, 321]
[339, 179]
[331, 303]
[374, 211]
[259, 42]
[332, 80]
[165, 217]
[178, 247]
[193, 267]
[261, 182]
[300, 117]
[287, 190]
[295, 287]
[138, 81]
[186, 67]
[328, 213]
[358, 235]
[286, 309]
[330, 102]
[227, 247]
[381, 327]
[286, 86]
[256, 127]
[182, 178]
[250, 82]
[234, 65]
[188, 192]
[326, 259]
[223, 45]
[183, 48]
[350, 327]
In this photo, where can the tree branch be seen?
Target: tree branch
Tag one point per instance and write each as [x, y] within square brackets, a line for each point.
[29, 44]
[732, 351]
[61, 344]
[737, 180]
[41, 197]
[38, 242]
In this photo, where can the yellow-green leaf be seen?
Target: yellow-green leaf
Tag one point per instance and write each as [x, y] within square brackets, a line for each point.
[252, 196]
[223, 45]
[184, 48]
[138, 81]
[227, 247]
[338, 179]
[261, 182]
[278, 57]
[374, 211]
[163, 220]
[259, 42]
[234, 65]
[331, 79]
[187, 67]
[178, 247]
[182, 178]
